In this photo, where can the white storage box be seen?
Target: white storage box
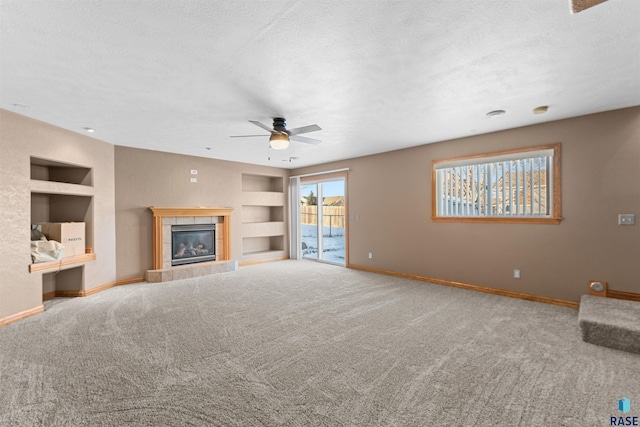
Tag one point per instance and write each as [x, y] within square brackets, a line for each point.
[70, 234]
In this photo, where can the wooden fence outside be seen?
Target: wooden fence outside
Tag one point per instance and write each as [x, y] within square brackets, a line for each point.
[332, 216]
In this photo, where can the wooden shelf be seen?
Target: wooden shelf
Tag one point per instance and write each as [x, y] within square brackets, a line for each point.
[190, 211]
[64, 262]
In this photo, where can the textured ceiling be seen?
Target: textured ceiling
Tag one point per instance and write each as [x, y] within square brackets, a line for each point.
[180, 76]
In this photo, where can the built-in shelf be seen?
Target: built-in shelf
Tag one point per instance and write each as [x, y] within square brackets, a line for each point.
[263, 217]
[257, 198]
[50, 187]
[270, 253]
[252, 214]
[51, 170]
[64, 262]
[62, 192]
[47, 207]
[63, 283]
[263, 229]
[262, 183]
[253, 245]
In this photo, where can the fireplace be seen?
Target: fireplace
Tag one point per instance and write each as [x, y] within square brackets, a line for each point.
[192, 243]
[208, 226]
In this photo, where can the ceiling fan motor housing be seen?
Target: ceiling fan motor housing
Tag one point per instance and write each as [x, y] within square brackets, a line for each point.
[279, 124]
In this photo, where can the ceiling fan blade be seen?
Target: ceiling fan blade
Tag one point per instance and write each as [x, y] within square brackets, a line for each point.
[580, 5]
[304, 129]
[304, 139]
[247, 136]
[265, 127]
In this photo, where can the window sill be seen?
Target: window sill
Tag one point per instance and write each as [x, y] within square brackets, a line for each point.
[500, 220]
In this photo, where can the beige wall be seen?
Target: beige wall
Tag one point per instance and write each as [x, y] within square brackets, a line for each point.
[21, 138]
[147, 178]
[391, 193]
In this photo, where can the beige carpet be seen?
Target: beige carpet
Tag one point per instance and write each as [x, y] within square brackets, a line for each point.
[300, 343]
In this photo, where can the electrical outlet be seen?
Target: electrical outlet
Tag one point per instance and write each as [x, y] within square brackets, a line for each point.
[516, 274]
[194, 171]
[626, 219]
[370, 255]
[193, 180]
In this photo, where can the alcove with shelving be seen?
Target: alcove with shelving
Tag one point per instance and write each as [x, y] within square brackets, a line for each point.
[54, 171]
[63, 283]
[263, 217]
[62, 192]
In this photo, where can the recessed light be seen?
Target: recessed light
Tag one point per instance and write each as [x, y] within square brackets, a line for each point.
[541, 109]
[90, 130]
[496, 113]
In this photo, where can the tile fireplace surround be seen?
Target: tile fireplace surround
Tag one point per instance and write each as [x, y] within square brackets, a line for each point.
[164, 218]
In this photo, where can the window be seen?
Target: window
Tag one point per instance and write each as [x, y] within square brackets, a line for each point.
[517, 186]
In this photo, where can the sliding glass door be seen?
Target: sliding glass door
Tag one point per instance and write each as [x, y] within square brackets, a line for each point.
[322, 220]
[309, 220]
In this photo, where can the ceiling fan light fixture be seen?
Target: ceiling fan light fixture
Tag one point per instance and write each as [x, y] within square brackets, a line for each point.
[541, 109]
[279, 141]
[496, 113]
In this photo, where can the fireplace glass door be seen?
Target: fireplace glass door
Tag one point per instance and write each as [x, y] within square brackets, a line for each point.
[193, 243]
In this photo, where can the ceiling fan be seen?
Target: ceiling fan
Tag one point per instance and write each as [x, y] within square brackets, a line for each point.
[280, 135]
[580, 5]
